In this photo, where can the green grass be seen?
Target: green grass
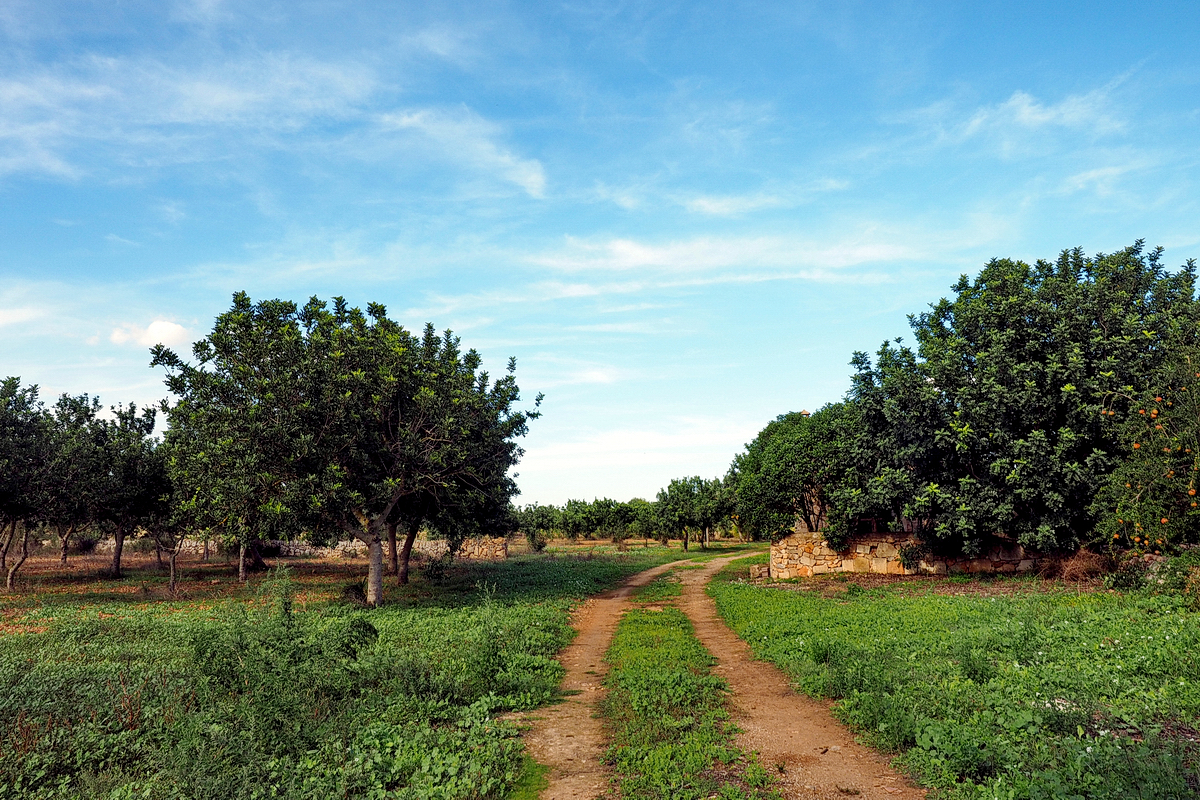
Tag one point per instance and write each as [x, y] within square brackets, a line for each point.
[666, 712]
[1033, 695]
[123, 697]
[664, 587]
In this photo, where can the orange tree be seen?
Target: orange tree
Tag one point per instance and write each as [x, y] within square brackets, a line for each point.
[1152, 500]
[991, 426]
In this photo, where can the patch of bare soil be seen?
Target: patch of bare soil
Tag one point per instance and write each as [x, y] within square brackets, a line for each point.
[569, 737]
[812, 754]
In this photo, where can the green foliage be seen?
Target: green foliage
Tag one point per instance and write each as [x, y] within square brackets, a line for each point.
[1044, 695]
[666, 711]
[993, 423]
[784, 474]
[323, 421]
[188, 701]
[1149, 504]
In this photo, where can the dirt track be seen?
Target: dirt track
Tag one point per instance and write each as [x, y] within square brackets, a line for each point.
[820, 758]
[569, 737]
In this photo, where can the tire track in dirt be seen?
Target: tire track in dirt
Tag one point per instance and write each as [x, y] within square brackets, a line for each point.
[819, 756]
[569, 737]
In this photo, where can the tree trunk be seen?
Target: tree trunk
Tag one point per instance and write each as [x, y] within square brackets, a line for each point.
[8, 540]
[375, 571]
[704, 544]
[171, 581]
[11, 580]
[685, 540]
[406, 553]
[118, 546]
[158, 555]
[242, 562]
[206, 549]
[256, 560]
[393, 557]
[66, 540]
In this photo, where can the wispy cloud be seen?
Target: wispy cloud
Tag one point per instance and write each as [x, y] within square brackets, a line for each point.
[708, 253]
[729, 205]
[464, 138]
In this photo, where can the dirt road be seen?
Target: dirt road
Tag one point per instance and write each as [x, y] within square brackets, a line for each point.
[819, 756]
[569, 737]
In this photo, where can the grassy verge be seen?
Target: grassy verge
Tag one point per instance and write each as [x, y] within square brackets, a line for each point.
[107, 696]
[671, 735]
[1024, 695]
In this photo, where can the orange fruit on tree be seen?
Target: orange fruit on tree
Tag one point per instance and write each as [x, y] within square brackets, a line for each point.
[1164, 520]
[1136, 446]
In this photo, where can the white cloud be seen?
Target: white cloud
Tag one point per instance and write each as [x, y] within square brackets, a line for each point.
[15, 316]
[160, 331]
[1091, 111]
[467, 139]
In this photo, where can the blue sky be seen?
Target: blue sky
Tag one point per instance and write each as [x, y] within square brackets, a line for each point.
[682, 219]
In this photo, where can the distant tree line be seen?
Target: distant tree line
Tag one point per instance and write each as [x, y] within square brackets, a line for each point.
[688, 509]
[1049, 405]
[315, 422]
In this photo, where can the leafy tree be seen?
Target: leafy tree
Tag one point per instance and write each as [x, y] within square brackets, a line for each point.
[135, 477]
[679, 507]
[24, 458]
[538, 522]
[644, 521]
[76, 474]
[786, 473]
[320, 419]
[992, 426]
[578, 519]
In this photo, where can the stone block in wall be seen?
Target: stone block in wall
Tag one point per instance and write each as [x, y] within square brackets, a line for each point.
[820, 569]
[862, 549]
[1025, 565]
[807, 560]
[933, 567]
[879, 565]
[886, 550]
[1005, 566]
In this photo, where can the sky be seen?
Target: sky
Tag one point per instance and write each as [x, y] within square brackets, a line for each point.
[682, 219]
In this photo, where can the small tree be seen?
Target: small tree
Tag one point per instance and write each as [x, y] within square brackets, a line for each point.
[679, 508]
[25, 454]
[787, 472]
[134, 479]
[77, 473]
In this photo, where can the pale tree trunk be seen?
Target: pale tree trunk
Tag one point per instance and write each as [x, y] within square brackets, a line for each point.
[11, 580]
[393, 556]
[171, 581]
[206, 549]
[704, 544]
[406, 553]
[242, 562]
[375, 571]
[66, 539]
[118, 546]
[158, 555]
[685, 540]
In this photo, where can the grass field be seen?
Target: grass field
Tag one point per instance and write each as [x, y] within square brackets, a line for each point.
[110, 690]
[672, 737]
[1013, 690]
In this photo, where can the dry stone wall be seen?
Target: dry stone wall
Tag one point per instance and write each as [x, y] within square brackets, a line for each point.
[806, 553]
